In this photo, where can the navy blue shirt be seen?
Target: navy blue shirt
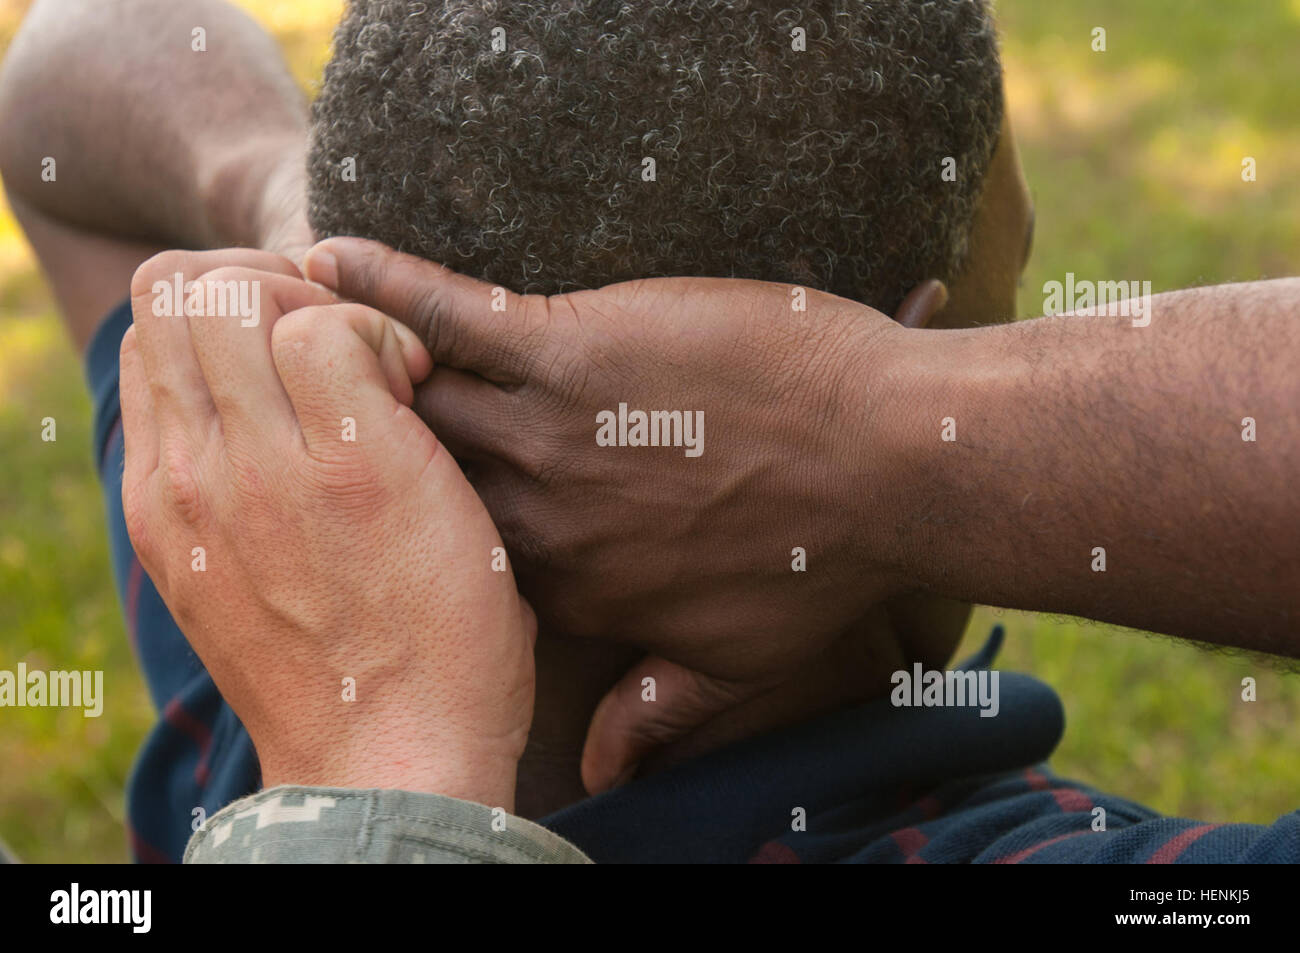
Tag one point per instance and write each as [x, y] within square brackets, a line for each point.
[873, 784]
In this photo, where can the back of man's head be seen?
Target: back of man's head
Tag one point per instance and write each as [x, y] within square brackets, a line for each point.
[550, 145]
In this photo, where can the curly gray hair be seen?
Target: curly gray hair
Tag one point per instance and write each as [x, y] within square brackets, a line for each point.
[525, 165]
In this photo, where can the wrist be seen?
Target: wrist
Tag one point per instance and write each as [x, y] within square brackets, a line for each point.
[902, 385]
[949, 392]
[870, 498]
[468, 770]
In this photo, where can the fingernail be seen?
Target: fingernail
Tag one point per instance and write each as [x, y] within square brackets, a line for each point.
[322, 267]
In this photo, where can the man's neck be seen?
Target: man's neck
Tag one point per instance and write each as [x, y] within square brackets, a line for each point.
[574, 674]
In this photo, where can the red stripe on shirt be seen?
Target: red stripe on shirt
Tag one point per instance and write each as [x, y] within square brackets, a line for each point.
[774, 852]
[1177, 845]
[910, 840]
[174, 714]
[1070, 800]
[1036, 780]
[1020, 855]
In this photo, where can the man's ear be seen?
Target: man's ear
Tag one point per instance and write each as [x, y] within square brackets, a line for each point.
[922, 303]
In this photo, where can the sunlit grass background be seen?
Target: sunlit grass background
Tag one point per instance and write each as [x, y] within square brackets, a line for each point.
[1134, 157]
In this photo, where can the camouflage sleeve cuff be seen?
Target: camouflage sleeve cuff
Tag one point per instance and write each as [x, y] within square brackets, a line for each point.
[309, 825]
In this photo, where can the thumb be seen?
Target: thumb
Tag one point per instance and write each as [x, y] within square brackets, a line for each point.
[656, 702]
[465, 323]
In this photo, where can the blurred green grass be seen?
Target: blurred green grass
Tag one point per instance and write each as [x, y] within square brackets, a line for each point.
[1134, 157]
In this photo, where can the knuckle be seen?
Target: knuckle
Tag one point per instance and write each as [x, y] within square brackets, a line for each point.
[539, 317]
[161, 266]
[424, 302]
[350, 483]
[292, 334]
[362, 275]
[537, 312]
[181, 490]
[138, 514]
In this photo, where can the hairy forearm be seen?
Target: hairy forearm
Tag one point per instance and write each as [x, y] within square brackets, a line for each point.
[151, 139]
[1075, 435]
